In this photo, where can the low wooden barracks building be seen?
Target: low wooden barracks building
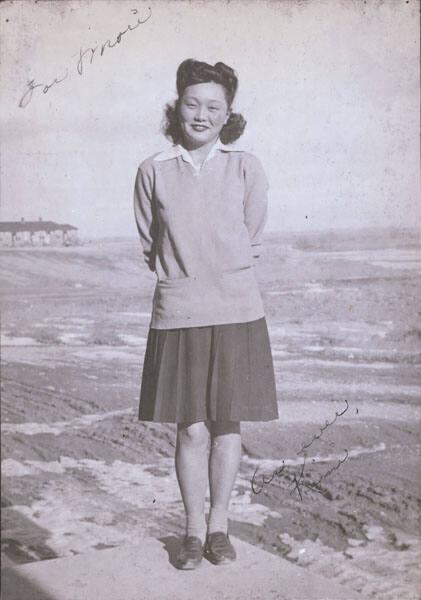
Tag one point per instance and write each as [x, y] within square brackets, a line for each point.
[37, 233]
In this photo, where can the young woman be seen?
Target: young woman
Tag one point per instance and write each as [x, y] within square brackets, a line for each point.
[200, 208]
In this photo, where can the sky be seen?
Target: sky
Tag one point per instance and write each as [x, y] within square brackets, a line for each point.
[329, 89]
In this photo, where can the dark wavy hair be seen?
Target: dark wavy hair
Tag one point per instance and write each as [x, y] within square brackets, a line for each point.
[190, 72]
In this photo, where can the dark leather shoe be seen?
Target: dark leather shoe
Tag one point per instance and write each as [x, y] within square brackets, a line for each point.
[218, 548]
[190, 553]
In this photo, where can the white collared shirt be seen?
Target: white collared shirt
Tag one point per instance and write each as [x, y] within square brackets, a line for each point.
[179, 150]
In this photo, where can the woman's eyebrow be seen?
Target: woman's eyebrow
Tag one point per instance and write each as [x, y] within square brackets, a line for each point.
[198, 99]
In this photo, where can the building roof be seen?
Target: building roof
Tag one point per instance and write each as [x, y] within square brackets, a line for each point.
[33, 226]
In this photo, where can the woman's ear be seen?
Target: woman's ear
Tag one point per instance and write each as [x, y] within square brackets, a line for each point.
[229, 111]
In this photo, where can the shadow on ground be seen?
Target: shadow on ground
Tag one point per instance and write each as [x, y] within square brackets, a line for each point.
[16, 586]
[172, 545]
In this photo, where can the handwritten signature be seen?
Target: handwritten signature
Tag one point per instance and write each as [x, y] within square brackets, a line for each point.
[90, 52]
[322, 429]
[298, 481]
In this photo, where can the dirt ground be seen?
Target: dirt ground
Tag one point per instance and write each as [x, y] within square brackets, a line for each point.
[341, 493]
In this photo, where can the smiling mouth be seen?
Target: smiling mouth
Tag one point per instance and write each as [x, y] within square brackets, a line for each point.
[200, 127]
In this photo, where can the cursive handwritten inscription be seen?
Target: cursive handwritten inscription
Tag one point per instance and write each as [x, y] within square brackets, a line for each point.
[298, 481]
[90, 52]
[322, 477]
[265, 480]
[27, 97]
[322, 429]
[107, 44]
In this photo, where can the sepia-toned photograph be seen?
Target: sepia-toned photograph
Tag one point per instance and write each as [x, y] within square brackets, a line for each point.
[210, 246]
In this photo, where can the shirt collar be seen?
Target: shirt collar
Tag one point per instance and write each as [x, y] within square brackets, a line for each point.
[179, 150]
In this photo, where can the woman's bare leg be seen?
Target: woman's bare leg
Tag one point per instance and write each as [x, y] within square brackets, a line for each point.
[224, 461]
[191, 465]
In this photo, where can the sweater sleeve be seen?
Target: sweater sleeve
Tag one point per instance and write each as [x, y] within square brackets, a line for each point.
[144, 214]
[255, 202]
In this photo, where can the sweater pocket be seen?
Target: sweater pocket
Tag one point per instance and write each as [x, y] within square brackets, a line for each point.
[239, 281]
[236, 270]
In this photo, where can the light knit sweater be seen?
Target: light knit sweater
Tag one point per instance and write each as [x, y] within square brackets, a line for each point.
[201, 231]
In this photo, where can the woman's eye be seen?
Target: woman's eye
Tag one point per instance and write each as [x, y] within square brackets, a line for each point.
[213, 108]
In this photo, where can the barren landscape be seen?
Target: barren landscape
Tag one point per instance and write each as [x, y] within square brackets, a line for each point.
[342, 488]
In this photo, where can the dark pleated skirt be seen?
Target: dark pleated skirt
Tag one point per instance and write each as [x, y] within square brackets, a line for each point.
[214, 373]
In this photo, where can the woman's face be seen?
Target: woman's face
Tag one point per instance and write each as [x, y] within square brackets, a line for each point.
[203, 111]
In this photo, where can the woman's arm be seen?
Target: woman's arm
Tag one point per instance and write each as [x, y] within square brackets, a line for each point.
[255, 202]
[144, 214]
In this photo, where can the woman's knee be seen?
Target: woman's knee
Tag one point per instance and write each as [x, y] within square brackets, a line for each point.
[224, 427]
[194, 435]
